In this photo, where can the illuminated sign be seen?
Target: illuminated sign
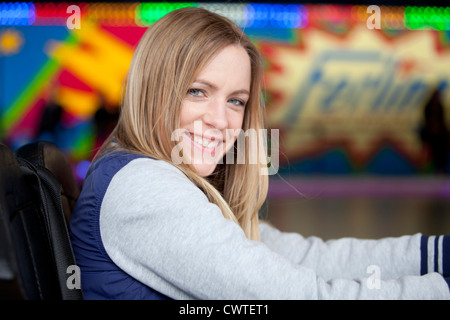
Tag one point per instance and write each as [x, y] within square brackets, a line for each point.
[356, 90]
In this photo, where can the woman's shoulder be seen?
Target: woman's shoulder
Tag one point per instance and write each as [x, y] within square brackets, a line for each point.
[110, 164]
[130, 172]
[144, 182]
[113, 161]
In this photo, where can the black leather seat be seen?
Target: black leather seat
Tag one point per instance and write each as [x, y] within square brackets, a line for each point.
[47, 155]
[16, 205]
[35, 249]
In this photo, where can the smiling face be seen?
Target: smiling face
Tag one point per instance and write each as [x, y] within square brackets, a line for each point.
[213, 108]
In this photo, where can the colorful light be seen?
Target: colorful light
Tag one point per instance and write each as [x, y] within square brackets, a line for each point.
[120, 14]
[148, 13]
[233, 11]
[246, 15]
[51, 14]
[17, 14]
[437, 18]
[275, 16]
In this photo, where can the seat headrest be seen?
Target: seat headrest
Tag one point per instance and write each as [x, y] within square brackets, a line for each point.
[48, 155]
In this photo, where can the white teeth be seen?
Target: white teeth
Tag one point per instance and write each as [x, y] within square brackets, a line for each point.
[213, 144]
[206, 142]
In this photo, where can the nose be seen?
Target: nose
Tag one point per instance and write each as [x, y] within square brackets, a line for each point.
[216, 115]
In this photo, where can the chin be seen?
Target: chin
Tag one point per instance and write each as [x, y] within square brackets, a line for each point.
[204, 170]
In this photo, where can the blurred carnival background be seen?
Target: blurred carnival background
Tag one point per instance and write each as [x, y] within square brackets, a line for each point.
[360, 97]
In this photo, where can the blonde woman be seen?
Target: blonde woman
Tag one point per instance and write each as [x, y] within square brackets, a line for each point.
[166, 213]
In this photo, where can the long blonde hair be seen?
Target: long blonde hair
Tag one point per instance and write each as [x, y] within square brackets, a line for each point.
[169, 56]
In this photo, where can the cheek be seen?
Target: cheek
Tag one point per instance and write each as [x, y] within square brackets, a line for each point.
[236, 120]
[185, 114]
[235, 123]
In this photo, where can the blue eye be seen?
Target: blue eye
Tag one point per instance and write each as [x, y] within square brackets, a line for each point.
[195, 92]
[237, 102]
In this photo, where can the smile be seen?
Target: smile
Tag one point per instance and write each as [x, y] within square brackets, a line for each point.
[203, 142]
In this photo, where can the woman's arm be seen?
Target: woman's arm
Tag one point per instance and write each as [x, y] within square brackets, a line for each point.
[393, 257]
[160, 228]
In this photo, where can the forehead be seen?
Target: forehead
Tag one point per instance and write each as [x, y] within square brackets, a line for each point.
[231, 65]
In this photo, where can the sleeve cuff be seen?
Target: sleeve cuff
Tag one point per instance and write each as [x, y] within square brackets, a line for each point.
[435, 255]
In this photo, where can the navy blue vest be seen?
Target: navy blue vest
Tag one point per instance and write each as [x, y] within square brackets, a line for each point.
[101, 278]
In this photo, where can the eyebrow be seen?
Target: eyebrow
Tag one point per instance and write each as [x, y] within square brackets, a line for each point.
[214, 87]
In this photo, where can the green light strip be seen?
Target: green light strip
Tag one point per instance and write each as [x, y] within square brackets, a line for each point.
[437, 18]
[148, 13]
